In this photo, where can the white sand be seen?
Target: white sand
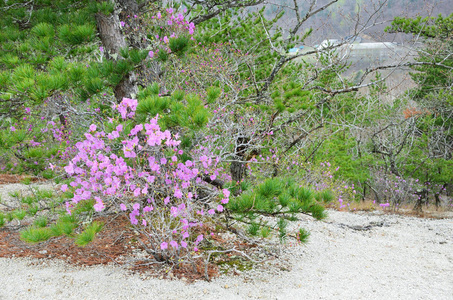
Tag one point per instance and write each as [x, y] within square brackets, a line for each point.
[406, 258]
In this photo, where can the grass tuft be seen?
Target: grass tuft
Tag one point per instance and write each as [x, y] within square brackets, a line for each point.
[35, 234]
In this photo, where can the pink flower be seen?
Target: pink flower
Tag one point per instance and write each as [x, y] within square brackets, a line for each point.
[174, 244]
[64, 187]
[166, 40]
[123, 207]
[122, 24]
[144, 222]
[178, 194]
[92, 127]
[183, 244]
[211, 211]
[137, 129]
[151, 54]
[174, 211]
[99, 205]
[219, 208]
[226, 193]
[69, 168]
[148, 208]
[12, 128]
[136, 206]
[68, 210]
[164, 245]
[199, 238]
[133, 219]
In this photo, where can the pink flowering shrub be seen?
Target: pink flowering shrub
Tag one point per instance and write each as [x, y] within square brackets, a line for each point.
[33, 144]
[138, 169]
[392, 190]
[158, 29]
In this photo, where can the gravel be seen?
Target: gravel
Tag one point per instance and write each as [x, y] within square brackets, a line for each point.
[7, 192]
[349, 256]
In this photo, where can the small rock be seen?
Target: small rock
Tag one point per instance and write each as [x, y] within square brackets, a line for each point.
[43, 252]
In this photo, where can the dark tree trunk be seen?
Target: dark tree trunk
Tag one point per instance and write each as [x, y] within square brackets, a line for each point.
[237, 170]
[113, 40]
[237, 167]
[364, 192]
[393, 168]
[422, 198]
[127, 88]
[110, 34]
[437, 195]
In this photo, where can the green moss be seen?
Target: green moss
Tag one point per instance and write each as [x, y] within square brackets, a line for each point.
[234, 263]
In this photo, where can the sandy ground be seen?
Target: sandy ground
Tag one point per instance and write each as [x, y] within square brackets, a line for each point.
[398, 258]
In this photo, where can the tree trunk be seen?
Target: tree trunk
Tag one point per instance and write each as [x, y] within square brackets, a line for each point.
[422, 198]
[129, 7]
[113, 40]
[437, 196]
[127, 88]
[110, 34]
[237, 169]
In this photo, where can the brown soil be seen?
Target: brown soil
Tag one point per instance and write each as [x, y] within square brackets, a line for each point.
[106, 248]
[116, 243]
[12, 178]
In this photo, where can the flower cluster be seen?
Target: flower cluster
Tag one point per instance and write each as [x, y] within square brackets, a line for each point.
[139, 169]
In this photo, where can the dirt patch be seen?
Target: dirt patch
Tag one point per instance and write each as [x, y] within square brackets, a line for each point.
[12, 178]
[108, 247]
